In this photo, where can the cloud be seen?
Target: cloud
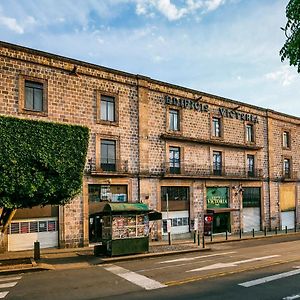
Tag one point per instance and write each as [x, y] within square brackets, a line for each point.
[11, 24]
[172, 12]
[285, 76]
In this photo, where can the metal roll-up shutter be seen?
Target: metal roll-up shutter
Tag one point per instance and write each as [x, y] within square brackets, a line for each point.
[288, 219]
[179, 222]
[251, 219]
[251, 209]
[23, 233]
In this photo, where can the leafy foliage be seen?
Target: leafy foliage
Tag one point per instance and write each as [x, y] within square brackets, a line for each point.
[41, 163]
[291, 48]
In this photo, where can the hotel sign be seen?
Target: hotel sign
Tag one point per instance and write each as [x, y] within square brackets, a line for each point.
[202, 107]
[217, 197]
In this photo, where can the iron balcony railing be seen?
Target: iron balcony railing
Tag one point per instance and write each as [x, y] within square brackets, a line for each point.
[193, 169]
[110, 167]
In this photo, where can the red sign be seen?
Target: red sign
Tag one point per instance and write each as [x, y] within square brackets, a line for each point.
[208, 224]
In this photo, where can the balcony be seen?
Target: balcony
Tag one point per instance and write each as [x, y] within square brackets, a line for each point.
[186, 169]
[113, 168]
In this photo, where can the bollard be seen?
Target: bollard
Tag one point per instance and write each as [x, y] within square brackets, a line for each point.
[194, 236]
[203, 241]
[253, 233]
[198, 236]
[240, 234]
[37, 252]
[226, 235]
[265, 231]
[275, 230]
[211, 237]
[295, 228]
[286, 229]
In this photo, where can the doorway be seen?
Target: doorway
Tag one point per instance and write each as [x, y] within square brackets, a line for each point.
[221, 222]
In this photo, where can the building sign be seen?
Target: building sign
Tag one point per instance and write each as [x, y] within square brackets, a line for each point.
[233, 114]
[186, 103]
[217, 197]
[202, 107]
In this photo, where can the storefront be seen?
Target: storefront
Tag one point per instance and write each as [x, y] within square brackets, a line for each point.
[287, 196]
[217, 200]
[175, 206]
[251, 209]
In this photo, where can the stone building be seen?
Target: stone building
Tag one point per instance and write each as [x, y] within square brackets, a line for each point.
[181, 151]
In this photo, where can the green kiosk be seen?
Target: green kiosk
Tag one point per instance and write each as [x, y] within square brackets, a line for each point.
[125, 228]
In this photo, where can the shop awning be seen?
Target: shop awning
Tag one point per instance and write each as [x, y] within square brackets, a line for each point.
[221, 210]
[126, 207]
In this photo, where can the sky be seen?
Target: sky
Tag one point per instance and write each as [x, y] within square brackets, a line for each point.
[228, 48]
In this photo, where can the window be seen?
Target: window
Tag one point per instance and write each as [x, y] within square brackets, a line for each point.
[250, 165]
[111, 193]
[178, 198]
[108, 155]
[287, 167]
[216, 127]
[108, 108]
[217, 163]
[174, 120]
[33, 96]
[249, 133]
[174, 160]
[286, 139]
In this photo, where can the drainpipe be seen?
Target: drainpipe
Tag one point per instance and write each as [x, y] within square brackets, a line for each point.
[139, 157]
[268, 163]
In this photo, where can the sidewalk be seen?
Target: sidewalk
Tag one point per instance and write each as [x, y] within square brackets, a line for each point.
[75, 258]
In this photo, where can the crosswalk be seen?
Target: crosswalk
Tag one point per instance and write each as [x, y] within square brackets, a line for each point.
[6, 283]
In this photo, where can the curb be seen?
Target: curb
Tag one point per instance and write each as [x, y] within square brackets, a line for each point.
[148, 255]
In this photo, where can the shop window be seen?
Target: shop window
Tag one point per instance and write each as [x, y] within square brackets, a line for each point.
[217, 163]
[174, 124]
[249, 133]
[216, 127]
[42, 226]
[174, 156]
[177, 196]
[111, 193]
[251, 197]
[250, 165]
[286, 139]
[108, 155]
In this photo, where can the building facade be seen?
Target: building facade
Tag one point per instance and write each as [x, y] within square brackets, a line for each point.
[183, 152]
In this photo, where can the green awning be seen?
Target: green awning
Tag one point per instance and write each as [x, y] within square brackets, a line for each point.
[126, 207]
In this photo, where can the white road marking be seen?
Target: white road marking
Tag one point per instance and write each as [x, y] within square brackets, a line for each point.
[269, 278]
[8, 284]
[3, 294]
[140, 280]
[193, 258]
[231, 264]
[10, 278]
[291, 297]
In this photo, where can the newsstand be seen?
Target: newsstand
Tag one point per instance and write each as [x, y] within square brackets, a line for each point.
[125, 228]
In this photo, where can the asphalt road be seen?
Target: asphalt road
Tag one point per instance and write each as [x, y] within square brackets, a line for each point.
[226, 272]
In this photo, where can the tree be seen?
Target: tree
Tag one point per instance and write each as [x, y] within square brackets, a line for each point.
[291, 48]
[41, 163]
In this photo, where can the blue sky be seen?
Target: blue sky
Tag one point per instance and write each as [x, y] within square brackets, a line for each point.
[228, 48]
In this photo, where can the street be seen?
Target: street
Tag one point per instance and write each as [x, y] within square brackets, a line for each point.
[261, 269]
